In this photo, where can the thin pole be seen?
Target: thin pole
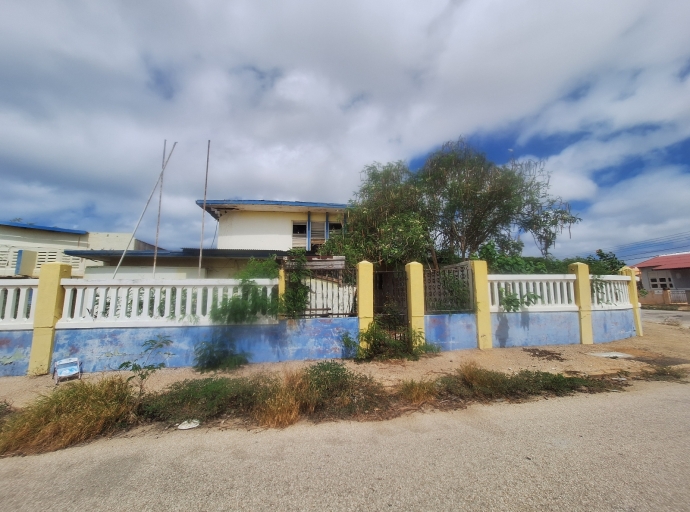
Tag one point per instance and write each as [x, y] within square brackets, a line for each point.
[158, 221]
[203, 210]
[143, 212]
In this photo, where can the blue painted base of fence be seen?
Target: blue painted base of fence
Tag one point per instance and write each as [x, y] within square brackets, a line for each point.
[451, 332]
[612, 325]
[15, 348]
[535, 328]
[288, 340]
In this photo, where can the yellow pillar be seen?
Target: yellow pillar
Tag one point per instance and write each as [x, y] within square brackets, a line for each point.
[415, 297]
[365, 294]
[583, 299]
[51, 296]
[480, 281]
[634, 300]
[281, 287]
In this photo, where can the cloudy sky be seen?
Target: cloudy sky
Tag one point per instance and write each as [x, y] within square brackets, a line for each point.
[297, 96]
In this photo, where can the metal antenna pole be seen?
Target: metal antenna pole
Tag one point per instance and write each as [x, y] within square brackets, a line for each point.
[142, 213]
[203, 210]
[158, 221]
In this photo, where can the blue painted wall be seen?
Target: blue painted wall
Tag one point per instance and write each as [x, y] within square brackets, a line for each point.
[535, 328]
[15, 348]
[106, 349]
[616, 324]
[451, 332]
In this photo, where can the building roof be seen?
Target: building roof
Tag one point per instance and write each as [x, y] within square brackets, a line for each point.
[42, 228]
[108, 255]
[260, 205]
[667, 262]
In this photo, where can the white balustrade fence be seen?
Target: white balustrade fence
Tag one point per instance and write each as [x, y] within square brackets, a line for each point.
[547, 292]
[148, 302]
[610, 292]
[17, 303]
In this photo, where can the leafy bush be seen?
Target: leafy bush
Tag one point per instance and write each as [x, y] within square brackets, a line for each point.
[379, 342]
[71, 414]
[294, 301]
[259, 269]
[244, 307]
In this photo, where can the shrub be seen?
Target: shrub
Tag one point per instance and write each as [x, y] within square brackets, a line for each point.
[377, 342]
[71, 414]
[217, 355]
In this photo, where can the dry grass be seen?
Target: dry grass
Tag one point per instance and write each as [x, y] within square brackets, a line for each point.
[281, 404]
[418, 392]
[74, 413]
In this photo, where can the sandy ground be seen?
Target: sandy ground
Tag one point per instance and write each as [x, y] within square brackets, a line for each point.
[661, 344]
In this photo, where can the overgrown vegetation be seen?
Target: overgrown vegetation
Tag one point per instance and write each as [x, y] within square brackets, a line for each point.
[294, 301]
[447, 210]
[251, 303]
[71, 414]
[664, 373]
[83, 410]
[325, 390]
[379, 342]
[144, 369]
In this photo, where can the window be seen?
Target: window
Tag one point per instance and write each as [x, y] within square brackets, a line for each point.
[318, 233]
[299, 235]
[334, 227]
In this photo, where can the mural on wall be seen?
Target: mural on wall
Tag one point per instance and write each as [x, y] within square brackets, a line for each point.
[15, 348]
[535, 328]
[106, 349]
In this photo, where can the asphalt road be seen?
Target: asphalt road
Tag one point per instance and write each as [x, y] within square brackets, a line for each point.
[680, 318]
[627, 451]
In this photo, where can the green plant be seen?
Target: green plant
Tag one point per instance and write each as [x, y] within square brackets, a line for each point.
[144, 370]
[246, 307]
[71, 414]
[380, 342]
[260, 269]
[512, 302]
[295, 300]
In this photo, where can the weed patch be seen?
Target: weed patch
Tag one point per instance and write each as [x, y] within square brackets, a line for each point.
[664, 373]
[548, 355]
[378, 343]
[71, 414]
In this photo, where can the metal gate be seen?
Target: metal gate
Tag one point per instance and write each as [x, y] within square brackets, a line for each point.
[390, 302]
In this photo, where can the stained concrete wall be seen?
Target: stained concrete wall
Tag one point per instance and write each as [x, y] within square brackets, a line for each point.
[612, 325]
[535, 328]
[106, 349]
[451, 332]
[15, 348]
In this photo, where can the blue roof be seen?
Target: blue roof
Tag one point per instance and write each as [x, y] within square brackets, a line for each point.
[42, 228]
[263, 202]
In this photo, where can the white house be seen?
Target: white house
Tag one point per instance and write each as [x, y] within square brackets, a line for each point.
[246, 229]
[274, 225]
[48, 244]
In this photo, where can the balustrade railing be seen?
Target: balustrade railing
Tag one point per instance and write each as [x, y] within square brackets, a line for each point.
[17, 303]
[610, 292]
[532, 292]
[147, 302]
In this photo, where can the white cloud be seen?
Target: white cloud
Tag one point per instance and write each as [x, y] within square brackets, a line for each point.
[298, 96]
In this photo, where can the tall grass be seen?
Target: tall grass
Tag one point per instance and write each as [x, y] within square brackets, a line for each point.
[74, 413]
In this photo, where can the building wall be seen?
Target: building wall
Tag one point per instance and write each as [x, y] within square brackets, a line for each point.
[15, 348]
[535, 328]
[105, 349]
[451, 332]
[612, 325]
[262, 230]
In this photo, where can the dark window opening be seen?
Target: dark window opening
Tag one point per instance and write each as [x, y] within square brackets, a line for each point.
[299, 229]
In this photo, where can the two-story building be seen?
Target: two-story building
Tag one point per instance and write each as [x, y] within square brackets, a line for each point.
[246, 229]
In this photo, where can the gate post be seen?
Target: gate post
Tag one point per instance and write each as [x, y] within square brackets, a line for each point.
[480, 281]
[583, 299]
[51, 296]
[415, 297]
[365, 294]
[634, 300]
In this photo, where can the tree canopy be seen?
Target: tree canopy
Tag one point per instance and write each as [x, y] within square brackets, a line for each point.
[456, 203]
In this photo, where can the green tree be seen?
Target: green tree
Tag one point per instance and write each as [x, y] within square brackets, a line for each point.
[476, 201]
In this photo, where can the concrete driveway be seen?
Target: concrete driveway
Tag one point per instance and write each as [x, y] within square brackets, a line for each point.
[617, 451]
[680, 318]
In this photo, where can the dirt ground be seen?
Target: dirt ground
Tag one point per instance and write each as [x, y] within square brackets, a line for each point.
[661, 344]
